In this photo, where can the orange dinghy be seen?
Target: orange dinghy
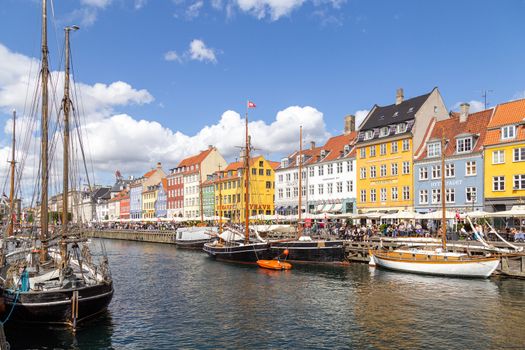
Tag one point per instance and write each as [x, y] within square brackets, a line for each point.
[274, 264]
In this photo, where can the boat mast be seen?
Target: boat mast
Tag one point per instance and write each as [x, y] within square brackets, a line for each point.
[200, 194]
[44, 219]
[220, 202]
[12, 189]
[443, 195]
[300, 227]
[246, 183]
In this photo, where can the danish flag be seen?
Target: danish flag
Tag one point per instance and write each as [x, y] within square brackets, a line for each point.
[251, 104]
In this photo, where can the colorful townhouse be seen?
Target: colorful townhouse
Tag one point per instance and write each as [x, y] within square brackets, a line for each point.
[504, 154]
[175, 198]
[386, 144]
[161, 210]
[135, 198]
[150, 186]
[194, 170]
[208, 196]
[125, 205]
[261, 188]
[463, 135]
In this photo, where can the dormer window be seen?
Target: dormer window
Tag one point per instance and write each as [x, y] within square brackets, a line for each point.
[369, 134]
[323, 153]
[508, 132]
[464, 145]
[395, 114]
[346, 149]
[434, 149]
[401, 128]
[384, 131]
[284, 162]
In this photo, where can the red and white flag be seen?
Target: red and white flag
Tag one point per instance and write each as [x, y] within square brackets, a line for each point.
[251, 104]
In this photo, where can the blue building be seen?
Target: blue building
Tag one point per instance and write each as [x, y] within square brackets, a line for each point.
[463, 135]
[135, 199]
[161, 210]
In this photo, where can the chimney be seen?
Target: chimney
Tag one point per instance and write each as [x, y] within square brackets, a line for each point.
[463, 114]
[312, 144]
[399, 96]
[159, 165]
[349, 124]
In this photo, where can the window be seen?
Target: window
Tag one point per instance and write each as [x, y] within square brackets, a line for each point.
[261, 171]
[349, 186]
[340, 167]
[470, 168]
[393, 169]
[394, 193]
[394, 147]
[321, 170]
[498, 157]
[519, 154]
[303, 191]
[369, 134]
[329, 188]
[401, 128]
[288, 192]
[406, 193]
[339, 187]
[423, 197]
[450, 170]
[349, 166]
[320, 188]
[498, 183]
[508, 132]
[382, 170]
[268, 172]
[362, 152]
[373, 196]
[519, 182]
[464, 145]
[363, 173]
[423, 173]
[288, 177]
[436, 196]
[470, 194]
[254, 171]
[268, 184]
[311, 171]
[434, 149]
[406, 145]
[311, 190]
[406, 168]
[363, 195]
[372, 171]
[330, 168]
[382, 195]
[436, 171]
[382, 149]
[384, 131]
[280, 193]
[450, 195]
[295, 176]
[372, 151]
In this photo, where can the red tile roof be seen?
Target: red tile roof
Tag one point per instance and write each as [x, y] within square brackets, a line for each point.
[335, 146]
[149, 173]
[509, 113]
[452, 128]
[196, 159]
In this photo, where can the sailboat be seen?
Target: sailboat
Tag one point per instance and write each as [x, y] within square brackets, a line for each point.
[439, 261]
[304, 249]
[234, 245]
[56, 280]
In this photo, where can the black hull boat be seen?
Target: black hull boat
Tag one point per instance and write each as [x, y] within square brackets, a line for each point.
[238, 253]
[315, 251]
[61, 307]
[195, 245]
[194, 237]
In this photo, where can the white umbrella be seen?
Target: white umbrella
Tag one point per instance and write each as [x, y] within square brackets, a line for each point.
[437, 215]
[477, 214]
[517, 211]
[370, 215]
[402, 214]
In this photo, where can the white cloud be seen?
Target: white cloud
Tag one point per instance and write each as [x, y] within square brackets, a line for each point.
[360, 117]
[198, 51]
[274, 8]
[140, 4]
[171, 56]
[475, 106]
[96, 3]
[194, 9]
[216, 4]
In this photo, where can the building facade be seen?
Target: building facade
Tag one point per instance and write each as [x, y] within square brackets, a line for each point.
[149, 198]
[161, 210]
[463, 135]
[208, 195]
[135, 198]
[504, 154]
[385, 148]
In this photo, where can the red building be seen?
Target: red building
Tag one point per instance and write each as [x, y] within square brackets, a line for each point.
[175, 193]
[124, 205]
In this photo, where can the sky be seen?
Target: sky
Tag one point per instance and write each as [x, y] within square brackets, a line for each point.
[163, 79]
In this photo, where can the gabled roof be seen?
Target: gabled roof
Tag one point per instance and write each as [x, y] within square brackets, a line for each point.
[149, 173]
[508, 113]
[102, 193]
[452, 129]
[334, 149]
[392, 114]
[195, 159]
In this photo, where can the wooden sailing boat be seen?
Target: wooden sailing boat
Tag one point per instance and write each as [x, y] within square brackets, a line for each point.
[439, 261]
[304, 249]
[57, 282]
[236, 246]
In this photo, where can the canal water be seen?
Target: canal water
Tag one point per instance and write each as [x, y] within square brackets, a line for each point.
[174, 299]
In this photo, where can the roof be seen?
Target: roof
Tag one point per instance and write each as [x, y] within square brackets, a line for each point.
[452, 129]
[334, 149]
[394, 114]
[149, 173]
[512, 112]
[164, 183]
[102, 192]
[195, 159]
[273, 164]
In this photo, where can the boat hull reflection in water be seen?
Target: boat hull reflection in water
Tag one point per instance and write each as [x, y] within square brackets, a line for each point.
[332, 252]
[238, 252]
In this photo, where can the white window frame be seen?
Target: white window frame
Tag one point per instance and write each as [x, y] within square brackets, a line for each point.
[394, 147]
[450, 195]
[520, 180]
[508, 132]
[401, 128]
[471, 166]
[384, 131]
[320, 189]
[450, 170]
[339, 187]
[373, 195]
[433, 149]
[423, 196]
[462, 143]
[520, 153]
[471, 192]
[329, 188]
[423, 173]
[406, 193]
[372, 151]
[339, 167]
[363, 196]
[382, 170]
[369, 134]
[498, 157]
[393, 169]
[382, 149]
[406, 145]
[436, 196]
[406, 168]
[362, 152]
[362, 173]
[382, 194]
[436, 169]
[498, 183]
[394, 193]
[373, 172]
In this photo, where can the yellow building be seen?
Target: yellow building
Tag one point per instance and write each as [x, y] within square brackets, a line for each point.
[387, 140]
[504, 157]
[229, 184]
[149, 197]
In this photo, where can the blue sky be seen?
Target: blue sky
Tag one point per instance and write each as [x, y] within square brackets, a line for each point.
[337, 56]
